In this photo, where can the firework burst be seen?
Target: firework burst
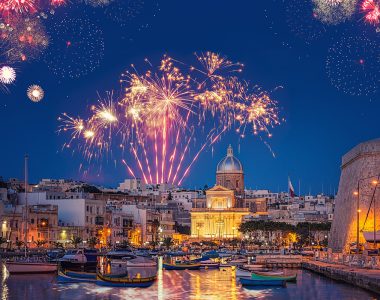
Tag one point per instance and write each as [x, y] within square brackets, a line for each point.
[166, 117]
[7, 75]
[371, 10]
[333, 12]
[353, 65]
[35, 93]
[77, 48]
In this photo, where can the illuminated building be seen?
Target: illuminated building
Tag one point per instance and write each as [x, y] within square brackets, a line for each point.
[219, 216]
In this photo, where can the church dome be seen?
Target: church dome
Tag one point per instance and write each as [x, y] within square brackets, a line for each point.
[229, 164]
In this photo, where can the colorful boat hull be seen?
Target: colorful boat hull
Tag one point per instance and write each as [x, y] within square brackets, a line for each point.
[63, 278]
[84, 275]
[104, 280]
[167, 266]
[262, 282]
[279, 278]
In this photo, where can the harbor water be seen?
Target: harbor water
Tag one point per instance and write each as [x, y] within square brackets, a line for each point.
[198, 284]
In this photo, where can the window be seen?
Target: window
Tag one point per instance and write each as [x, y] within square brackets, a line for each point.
[87, 208]
[32, 221]
[97, 210]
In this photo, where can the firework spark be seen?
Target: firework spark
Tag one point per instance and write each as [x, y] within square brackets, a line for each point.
[7, 75]
[77, 47]
[333, 12]
[353, 65]
[164, 115]
[371, 9]
[35, 93]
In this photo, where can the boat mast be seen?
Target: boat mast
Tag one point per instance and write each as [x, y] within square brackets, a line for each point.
[26, 203]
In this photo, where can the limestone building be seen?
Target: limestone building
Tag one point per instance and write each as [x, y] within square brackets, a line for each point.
[359, 172]
[219, 215]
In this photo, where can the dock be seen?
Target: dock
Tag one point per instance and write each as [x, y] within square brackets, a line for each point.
[368, 279]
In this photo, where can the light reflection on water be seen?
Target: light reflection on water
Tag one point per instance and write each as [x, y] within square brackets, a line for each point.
[202, 284]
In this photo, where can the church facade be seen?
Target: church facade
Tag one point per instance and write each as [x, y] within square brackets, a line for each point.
[221, 216]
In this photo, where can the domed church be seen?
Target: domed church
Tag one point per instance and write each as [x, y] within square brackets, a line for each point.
[220, 214]
[229, 173]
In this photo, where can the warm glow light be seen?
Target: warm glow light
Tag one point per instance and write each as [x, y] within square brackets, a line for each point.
[375, 182]
[356, 193]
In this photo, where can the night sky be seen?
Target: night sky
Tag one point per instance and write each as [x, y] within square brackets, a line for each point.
[322, 122]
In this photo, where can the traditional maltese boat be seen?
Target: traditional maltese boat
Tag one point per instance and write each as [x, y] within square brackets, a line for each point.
[74, 277]
[181, 266]
[262, 282]
[105, 280]
[269, 273]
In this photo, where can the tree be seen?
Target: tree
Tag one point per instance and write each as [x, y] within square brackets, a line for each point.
[234, 242]
[19, 244]
[153, 244]
[168, 242]
[2, 241]
[57, 245]
[93, 241]
[75, 240]
[39, 243]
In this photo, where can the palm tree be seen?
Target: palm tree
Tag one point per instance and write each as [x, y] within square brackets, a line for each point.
[153, 244]
[40, 243]
[57, 244]
[75, 240]
[93, 241]
[19, 244]
[168, 242]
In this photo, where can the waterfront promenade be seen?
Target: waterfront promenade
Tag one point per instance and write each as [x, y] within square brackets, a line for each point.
[362, 277]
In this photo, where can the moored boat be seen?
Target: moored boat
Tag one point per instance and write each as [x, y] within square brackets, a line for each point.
[181, 266]
[209, 264]
[105, 280]
[266, 277]
[66, 278]
[269, 273]
[27, 267]
[243, 272]
[74, 274]
[262, 282]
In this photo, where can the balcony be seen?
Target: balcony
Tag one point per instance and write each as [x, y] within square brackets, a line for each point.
[232, 209]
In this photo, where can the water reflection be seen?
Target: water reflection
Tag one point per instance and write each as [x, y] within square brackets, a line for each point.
[197, 284]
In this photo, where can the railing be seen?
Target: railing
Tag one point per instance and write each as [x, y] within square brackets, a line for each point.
[352, 260]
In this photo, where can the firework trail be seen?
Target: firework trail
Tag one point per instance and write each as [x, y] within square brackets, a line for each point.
[333, 12]
[168, 116]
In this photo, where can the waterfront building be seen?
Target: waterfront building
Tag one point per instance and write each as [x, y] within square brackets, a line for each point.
[358, 188]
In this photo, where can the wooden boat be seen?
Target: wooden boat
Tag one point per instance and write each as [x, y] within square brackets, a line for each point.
[267, 277]
[65, 278]
[254, 267]
[181, 266]
[262, 282]
[243, 273]
[30, 267]
[136, 262]
[269, 273]
[74, 274]
[105, 280]
[209, 264]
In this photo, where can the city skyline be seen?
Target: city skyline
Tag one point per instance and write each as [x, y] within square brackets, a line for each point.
[322, 122]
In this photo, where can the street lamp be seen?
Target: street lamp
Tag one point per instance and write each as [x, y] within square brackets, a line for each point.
[358, 210]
